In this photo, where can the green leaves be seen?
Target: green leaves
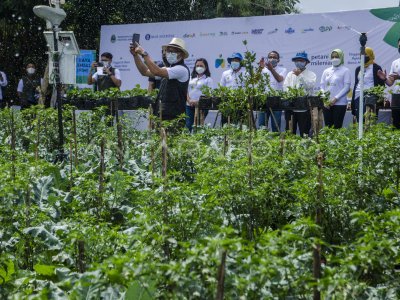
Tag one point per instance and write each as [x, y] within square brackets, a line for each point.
[44, 270]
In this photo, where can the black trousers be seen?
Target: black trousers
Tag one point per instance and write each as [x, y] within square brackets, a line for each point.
[334, 116]
[302, 120]
[396, 118]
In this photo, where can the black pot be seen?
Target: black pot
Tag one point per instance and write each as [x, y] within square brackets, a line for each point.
[315, 101]
[144, 102]
[301, 103]
[127, 103]
[286, 104]
[395, 101]
[89, 104]
[205, 102]
[370, 100]
[274, 102]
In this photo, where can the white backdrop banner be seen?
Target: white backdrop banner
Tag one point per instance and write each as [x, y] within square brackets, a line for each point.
[216, 39]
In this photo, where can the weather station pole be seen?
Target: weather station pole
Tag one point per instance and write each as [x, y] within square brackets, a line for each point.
[55, 15]
[363, 42]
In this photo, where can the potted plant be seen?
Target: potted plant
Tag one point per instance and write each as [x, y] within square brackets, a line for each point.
[374, 96]
[274, 99]
[296, 97]
[320, 100]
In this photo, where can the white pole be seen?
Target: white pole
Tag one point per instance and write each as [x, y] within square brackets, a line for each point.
[361, 104]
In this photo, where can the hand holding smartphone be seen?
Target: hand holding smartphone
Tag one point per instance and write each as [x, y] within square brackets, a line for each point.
[135, 40]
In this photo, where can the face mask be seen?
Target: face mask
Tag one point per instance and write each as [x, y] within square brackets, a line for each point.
[31, 70]
[235, 65]
[335, 62]
[300, 65]
[200, 70]
[273, 61]
[172, 57]
[106, 63]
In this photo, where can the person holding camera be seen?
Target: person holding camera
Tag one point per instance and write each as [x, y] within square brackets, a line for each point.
[3, 83]
[106, 75]
[171, 99]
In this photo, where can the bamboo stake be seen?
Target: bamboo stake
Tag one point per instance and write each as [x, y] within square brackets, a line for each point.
[164, 151]
[81, 256]
[221, 277]
[12, 146]
[28, 247]
[101, 174]
[74, 137]
[119, 136]
[318, 217]
[37, 138]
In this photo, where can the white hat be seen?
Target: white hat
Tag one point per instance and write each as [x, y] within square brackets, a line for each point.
[179, 44]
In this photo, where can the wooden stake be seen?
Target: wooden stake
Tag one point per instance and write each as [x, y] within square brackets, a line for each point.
[164, 151]
[221, 277]
[74, 137]
[81, 256]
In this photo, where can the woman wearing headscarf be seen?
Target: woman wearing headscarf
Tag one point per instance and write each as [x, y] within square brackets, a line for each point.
[371, 79]
[336, 80]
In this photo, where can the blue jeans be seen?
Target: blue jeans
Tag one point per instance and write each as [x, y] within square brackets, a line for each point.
[190, 110]
[277, 115]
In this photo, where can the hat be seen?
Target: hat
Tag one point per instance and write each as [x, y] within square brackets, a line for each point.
[301, 55]
[235, 55]
[179, 44]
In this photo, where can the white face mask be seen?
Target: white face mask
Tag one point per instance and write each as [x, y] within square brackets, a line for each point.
[30, 71]
[172, 57]
[106, 63]
[200, 70]
[335, 62]
[235, 65]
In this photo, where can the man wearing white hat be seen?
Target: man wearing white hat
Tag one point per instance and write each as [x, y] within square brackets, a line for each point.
[175, 77]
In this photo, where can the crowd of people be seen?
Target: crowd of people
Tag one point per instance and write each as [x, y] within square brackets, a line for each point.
[180, 89]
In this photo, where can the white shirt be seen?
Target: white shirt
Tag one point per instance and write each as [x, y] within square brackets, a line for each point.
[195, 85]
[117, 75]
[178, 72]
[368, 80]
[395, 68]
[275, 84]
[336, 81]
[232, 79]
[3, 83]
[20, 87]
[305, 79]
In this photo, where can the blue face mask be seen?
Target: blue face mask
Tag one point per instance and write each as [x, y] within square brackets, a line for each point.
[300, 65]
[235, 65]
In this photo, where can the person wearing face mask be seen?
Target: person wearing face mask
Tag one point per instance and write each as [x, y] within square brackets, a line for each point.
[29, 87]
[276, 75]
[200, 77]
[371, 79]
[336, 80]
[109, 76]
[393, 79]
[175, 77]
[3, 84]
[300, 77]
[231, 78]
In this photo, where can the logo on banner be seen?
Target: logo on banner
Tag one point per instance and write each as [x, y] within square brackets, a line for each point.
[147, 37]
[273, 31]
[189, 35]
[113, 38]
[340, 27]
[219, 62]
[207, 34]
[307, 30]
[290, 30]
[239, 32]
[223, 33]
[325, 28]
[257, 31]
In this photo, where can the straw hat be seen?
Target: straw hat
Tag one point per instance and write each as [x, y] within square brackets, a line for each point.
[179, 44]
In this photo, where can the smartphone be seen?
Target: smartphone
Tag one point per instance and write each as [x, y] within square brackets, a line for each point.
[135, 39]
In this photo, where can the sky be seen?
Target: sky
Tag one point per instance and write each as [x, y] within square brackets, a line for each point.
[319, 6]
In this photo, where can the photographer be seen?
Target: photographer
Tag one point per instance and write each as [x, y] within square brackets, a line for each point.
[106, 76]
[175, 77]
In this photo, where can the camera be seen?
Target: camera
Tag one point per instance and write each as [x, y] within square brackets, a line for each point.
[100, 64]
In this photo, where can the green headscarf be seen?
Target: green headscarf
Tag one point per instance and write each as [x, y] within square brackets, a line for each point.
[341, 55]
